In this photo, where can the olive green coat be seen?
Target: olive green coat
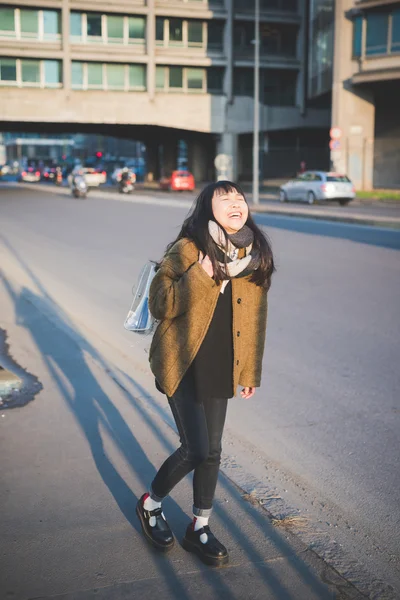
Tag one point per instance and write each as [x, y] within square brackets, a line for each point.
[183, 297]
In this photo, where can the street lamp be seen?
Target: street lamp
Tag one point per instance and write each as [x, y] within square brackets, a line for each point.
[256, 123]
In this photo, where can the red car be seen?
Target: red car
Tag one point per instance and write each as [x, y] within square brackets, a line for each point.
[178, 182]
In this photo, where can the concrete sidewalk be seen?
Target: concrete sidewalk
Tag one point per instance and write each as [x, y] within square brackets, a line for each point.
[76, 459]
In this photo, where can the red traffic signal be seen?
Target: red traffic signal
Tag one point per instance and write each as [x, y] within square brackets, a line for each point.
[99, 154]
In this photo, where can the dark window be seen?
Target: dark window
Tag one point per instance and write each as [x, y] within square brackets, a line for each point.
[395, 45]
[175, 77]
[93, 25]
[215, 35]
[8, 69]
[243, 82]
[160, 29]
[215, 77]
[195, 33]
[340, 178]
[357, 36]
[175, 31]
[377, 33]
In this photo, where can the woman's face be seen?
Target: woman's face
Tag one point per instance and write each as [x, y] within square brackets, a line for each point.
[230, 210]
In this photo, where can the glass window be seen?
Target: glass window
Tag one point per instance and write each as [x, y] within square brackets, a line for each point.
[175, 77]
[195, 33]
[377, 33]
[115, 77]
[160, 78]
[7, 20]
[52, 73]
[75, 24]
[195, 78]
[395, 45]
[175, 32]
[95, 75]
[94, 25]
[30, 71]
[215, 34]
[160, 29]
[8, 69]
[29, 23]
[136, 28]
[77, 75]
[51, 24]
[115, 29]
[215, 78]
[357, 36]
[137, 77]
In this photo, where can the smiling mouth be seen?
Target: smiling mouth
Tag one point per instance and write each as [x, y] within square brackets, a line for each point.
[235, 215]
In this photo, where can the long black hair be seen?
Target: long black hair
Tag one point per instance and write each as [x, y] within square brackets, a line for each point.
[195, 228]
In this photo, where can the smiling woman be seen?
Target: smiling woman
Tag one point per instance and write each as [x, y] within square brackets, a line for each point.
[210, 296]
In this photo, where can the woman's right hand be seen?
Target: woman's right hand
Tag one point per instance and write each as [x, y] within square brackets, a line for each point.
[206, 264]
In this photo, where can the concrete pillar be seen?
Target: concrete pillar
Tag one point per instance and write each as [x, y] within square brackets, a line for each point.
[228, 143]
[151, 49]
[66, 64]
[152, 162]
[198, 155]
[353, 109]
[228, 51]
[169, 156]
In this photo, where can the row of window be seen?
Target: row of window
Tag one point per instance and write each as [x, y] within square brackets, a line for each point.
[172, 32]
[106, 29]
[21, 23]
[274, 39]
[189, 79]
[30, 73]
[107, 76]
[382, 33]
[277, 88]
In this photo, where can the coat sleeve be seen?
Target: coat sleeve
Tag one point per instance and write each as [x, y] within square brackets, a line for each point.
[251, 373]
[178, 284]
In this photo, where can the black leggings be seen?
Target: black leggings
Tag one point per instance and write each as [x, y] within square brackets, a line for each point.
[200, 426]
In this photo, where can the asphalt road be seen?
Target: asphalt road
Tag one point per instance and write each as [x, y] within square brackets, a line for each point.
[322, 435]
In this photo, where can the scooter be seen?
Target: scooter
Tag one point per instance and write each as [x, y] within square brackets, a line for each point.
[79, 186]
[125, 185]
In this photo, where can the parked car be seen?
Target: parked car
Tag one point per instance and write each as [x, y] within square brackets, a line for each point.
[314, 186]
[178, 181]
[30, 174]
[94, 177]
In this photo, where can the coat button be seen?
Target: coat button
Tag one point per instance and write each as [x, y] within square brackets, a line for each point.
[238, 334]
[237, 362]
[239, 300]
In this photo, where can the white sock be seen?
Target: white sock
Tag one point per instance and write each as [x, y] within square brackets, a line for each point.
[150, 504]
[199, 522]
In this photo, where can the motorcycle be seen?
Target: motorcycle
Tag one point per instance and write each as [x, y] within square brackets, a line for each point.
[125, 185]
[79, 186]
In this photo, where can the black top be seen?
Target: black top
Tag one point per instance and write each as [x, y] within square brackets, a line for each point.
[211, 372]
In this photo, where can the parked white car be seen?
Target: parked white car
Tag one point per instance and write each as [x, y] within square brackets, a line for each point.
[314, 186]
[93, 177]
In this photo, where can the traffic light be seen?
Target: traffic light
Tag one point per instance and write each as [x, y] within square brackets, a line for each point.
[99, 154]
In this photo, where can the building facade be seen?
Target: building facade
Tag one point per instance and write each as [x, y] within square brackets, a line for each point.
[163, 71]
[366, 92]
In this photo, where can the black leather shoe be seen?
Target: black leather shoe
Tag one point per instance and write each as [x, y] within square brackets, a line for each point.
[155, 527]
[210, 550]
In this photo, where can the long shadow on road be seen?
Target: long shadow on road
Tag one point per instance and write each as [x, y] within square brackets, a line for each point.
[64, 351]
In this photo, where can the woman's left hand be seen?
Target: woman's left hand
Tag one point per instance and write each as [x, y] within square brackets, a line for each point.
[248, 392]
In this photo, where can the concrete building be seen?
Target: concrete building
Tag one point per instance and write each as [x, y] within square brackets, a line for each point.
[366, 91]
[163, 72]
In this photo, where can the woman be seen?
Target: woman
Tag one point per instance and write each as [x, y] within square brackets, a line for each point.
[210, 296]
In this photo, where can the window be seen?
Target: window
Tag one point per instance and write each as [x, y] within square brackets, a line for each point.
[95, 75]
[137, 77]
[395, 41]
[175, 32]
[115, 77]
[75, 24]
[115, 29]
[51, 24]
[29, 23]
[52, 73]
[8, 70]
[215, 35]
[7, 22]
[195, 79]
[77, 75]
[175, 77]
[377, 33]
[136, 27]
[30, 70]
[357, 36]
[160, 78]
[160, 29]
[195, 33]
[215, 77]
[94, 29]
